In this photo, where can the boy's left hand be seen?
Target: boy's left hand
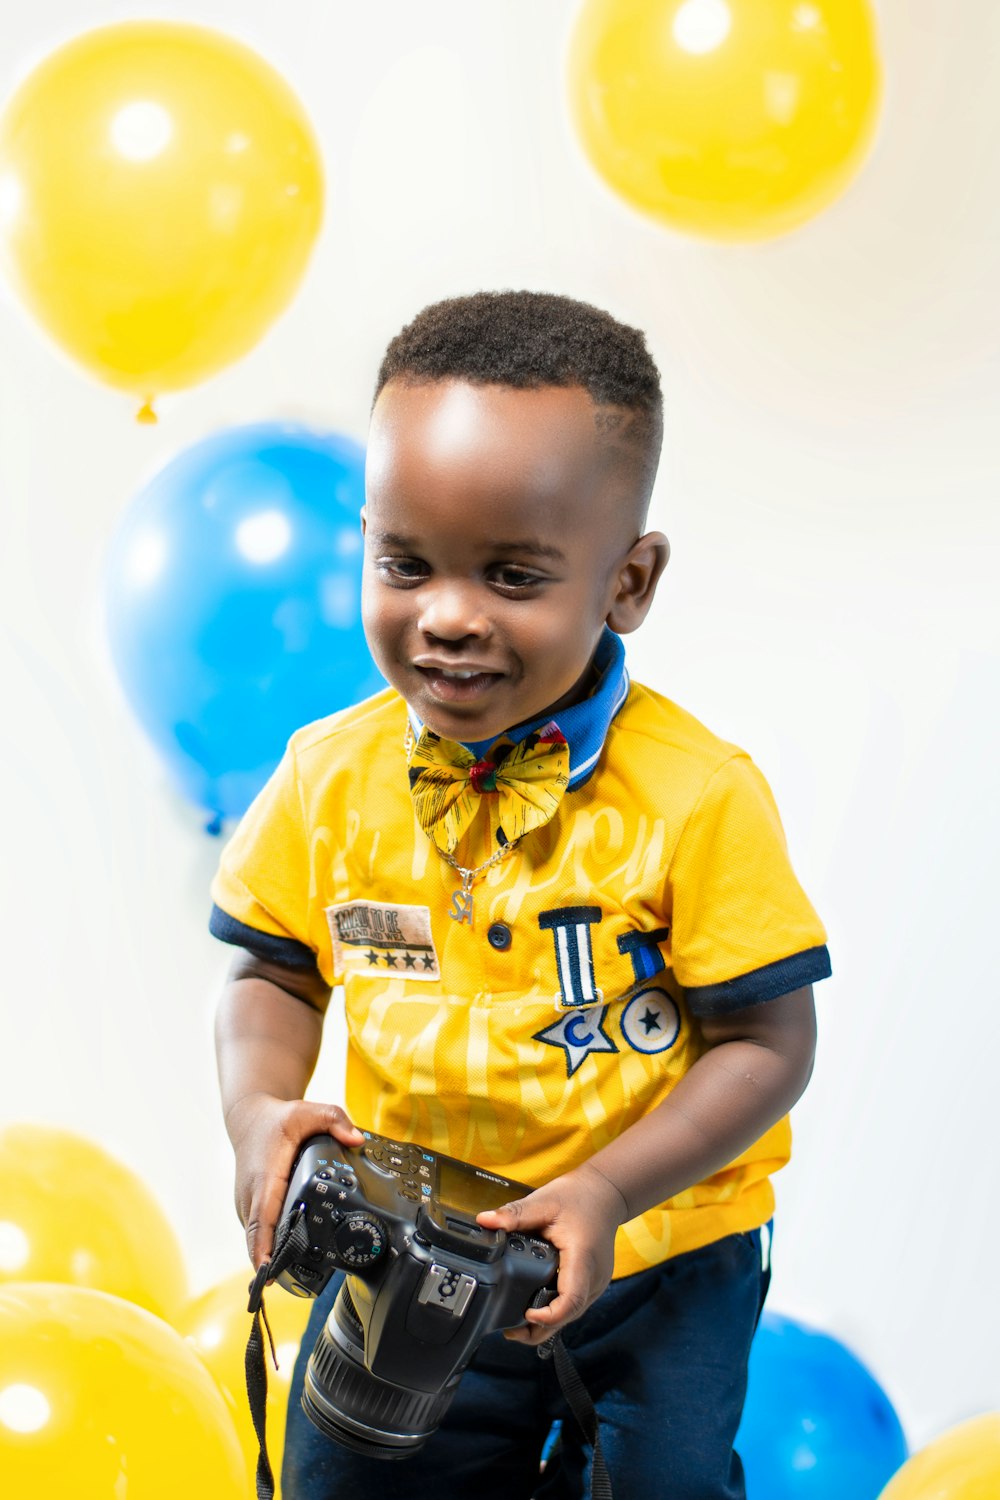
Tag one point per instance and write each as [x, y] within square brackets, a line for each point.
[578, 1213]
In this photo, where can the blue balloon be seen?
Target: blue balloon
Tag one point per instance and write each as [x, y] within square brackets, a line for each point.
[233, 604]
[816, 1425]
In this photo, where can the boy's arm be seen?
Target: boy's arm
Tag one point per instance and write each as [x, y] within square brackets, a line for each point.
[268, 1028]
[758, 1064]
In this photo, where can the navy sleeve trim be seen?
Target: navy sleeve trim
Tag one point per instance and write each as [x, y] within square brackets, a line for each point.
[762, 984]
[278, 950]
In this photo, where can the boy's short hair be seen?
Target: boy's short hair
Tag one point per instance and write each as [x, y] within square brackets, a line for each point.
[531, 339]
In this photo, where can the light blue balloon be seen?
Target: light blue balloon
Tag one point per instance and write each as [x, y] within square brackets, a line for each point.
[233, 604]
[816, 1425]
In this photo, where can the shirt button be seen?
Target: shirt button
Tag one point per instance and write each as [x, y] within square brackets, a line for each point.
[499, 936]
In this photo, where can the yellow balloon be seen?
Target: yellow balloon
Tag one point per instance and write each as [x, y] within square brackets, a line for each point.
[964, 1464]
[730, 119]
[99, 1399]
[69, 1212]
[217, 1324]
[160, 191]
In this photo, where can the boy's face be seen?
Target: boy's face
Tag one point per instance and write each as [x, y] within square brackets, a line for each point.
[500, 536]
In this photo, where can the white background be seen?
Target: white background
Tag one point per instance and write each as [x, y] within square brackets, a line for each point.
[829, 484]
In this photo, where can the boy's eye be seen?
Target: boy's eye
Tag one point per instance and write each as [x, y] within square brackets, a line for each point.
[510, 576]
[402, 569]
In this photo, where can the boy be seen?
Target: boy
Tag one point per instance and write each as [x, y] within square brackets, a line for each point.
[571, 944]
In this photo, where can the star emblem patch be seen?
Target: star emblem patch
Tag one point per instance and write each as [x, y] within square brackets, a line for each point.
[578, 1033]
[650, 1021]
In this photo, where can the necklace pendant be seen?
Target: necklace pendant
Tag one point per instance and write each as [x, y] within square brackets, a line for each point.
[461, 905]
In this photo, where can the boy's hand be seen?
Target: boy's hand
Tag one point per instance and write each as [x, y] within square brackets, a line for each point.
[578, 1214]
[267, 1134]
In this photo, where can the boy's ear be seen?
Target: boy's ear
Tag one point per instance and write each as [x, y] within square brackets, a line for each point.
[638, 575]
[364, 519]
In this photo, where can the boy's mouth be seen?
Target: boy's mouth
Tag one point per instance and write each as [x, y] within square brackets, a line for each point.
[457, 684]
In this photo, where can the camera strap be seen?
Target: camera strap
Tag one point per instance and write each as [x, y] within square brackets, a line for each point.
[290, 1241]
[578, 1400]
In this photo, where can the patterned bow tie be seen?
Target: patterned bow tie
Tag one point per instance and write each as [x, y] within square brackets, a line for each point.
[522, 785]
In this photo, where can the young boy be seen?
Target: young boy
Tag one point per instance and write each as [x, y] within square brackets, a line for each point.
[571, 944]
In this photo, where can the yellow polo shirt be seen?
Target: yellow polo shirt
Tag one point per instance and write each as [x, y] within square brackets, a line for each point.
[660, 891]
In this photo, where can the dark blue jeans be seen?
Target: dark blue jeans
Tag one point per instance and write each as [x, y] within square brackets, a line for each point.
[664, 1357]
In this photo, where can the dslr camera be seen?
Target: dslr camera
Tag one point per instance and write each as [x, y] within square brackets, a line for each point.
[425, 1283]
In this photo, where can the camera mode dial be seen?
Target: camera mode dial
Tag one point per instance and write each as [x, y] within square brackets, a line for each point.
[360, 1240]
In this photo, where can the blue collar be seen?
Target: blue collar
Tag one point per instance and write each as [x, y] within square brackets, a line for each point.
[585, 725]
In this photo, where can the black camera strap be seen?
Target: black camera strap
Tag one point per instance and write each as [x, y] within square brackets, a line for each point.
[580, 1404]
[290, 1242]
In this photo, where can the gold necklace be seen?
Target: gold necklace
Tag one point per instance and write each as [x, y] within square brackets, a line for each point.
[461, 900]
[461, 909]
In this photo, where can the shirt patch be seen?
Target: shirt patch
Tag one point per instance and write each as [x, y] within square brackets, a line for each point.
[373, 937]
[579, 1033]
[650, 1022]
[570, 927]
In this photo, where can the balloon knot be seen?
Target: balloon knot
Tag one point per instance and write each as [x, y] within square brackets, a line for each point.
[214, 825]
[146, 413]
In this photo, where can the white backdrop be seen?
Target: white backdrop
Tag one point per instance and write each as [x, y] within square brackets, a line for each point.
[829, 486]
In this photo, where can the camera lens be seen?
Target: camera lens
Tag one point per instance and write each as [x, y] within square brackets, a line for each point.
[354, 1407]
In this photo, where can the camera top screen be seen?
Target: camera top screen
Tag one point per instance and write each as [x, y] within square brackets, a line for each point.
[463, 1190]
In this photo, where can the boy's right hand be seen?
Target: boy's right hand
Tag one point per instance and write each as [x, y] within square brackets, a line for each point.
[267, 1134]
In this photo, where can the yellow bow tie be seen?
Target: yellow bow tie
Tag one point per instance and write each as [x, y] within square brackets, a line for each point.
[522, 785]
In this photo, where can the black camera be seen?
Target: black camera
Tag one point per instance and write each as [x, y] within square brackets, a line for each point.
[425, 1283]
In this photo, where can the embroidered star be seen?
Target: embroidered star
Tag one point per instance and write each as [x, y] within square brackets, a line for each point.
[372, 958]
[409, 960]
[650, 1022]
[428, 963]
[578, 1033]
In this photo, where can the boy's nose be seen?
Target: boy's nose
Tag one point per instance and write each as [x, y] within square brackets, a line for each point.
[452, 611]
